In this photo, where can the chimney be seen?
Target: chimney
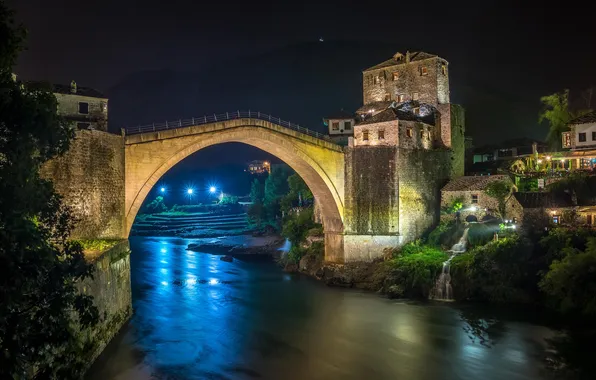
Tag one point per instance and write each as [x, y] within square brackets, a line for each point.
[408, 56]
[73, 87]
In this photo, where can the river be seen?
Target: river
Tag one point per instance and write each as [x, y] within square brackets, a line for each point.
[197, 317]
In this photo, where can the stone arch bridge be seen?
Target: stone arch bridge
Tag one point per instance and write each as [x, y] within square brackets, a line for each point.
[151, 151]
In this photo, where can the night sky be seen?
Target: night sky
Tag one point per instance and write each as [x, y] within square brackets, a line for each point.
[161, 60]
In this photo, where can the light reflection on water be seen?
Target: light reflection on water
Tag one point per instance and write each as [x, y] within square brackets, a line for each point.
[197, 317]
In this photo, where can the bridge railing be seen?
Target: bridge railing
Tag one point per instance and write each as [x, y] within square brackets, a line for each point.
[223, 117]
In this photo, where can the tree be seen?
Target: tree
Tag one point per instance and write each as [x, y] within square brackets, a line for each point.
[299, 194]
[156, 206]
[570, 282]
[257, 191]
[499, 190]
[41, 310]
[276, 186]
[556, 112]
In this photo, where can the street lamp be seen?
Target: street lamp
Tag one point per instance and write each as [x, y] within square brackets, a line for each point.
[162, 189]
[189, 191]
[212, 189]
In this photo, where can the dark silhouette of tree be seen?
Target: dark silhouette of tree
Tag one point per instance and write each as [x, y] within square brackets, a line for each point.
[41, 311]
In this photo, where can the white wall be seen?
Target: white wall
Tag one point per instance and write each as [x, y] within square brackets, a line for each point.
[587, 129]
[342, 127]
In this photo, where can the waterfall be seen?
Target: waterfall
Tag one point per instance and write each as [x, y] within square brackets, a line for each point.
[442, 290]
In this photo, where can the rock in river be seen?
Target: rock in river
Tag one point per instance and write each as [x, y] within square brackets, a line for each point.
[227, 258]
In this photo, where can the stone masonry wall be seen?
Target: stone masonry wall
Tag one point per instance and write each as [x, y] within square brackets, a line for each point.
[421, 176]
[431, 88]
[457, 139]
[97, 117]
[90, 177]
[111, 291]
[371, 191]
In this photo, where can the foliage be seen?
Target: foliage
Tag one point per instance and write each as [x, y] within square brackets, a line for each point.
[455, 205]
[98, 244]
[556, 112]
[298, 195]
[499, 190]
[276, 186]
[445, 234]
[41, 310]
[482, 233]
[296, 253]
[296, 226]
[527, 184]
[156, 206]
[415, 267]
[498, 271]
[257, 191]
[580, 184]
[228, 200]
[571, 282]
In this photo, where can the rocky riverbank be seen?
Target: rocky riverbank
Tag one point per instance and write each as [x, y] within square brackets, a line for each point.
[239, 245]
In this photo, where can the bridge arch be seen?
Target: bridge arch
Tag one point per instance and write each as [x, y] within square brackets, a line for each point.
[148, 156]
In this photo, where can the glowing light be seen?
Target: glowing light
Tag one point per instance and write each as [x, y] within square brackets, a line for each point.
[548, 158]
[553, 212]
[163, 262]
[163, 189]
[514, 226]
[539, 161]
[473, 208]
[212, 189]
[213, 281]
[163, 250]
[189, 191]
[164, 283]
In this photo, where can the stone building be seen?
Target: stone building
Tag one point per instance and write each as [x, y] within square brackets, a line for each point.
[86, 107]
[581, 140]
[471, 190]
[408, 141]
[557, 208]
[259, 167]
[340, 126]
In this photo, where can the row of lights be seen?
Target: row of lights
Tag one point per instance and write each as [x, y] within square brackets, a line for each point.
[190, 191]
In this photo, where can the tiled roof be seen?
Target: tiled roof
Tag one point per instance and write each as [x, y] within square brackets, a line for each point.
[65, 89]
[544, 200]
[590, 117]
[414, 56]
[400, 111]
[473, 183]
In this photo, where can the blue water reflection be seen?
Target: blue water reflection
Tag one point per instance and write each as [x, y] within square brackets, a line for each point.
[197, 317]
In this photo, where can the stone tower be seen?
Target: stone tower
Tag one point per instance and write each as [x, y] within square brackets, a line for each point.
[416, 76]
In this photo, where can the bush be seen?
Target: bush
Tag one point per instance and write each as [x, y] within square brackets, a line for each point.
[499, 271]
[228, 200]
[415, 269]
[570, 282]
[482, 233]
[296, 226]
[445, 234]
[156, 206]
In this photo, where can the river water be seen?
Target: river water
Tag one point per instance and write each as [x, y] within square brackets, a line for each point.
[197, 317]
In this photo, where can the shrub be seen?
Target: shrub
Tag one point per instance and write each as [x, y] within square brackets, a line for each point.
[499, 271]
[156, 206]
[445, 234]
[296, 226]
[416, 268]
[570, 282]
[481, 233]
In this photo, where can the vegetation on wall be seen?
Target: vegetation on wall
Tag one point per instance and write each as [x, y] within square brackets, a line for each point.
[500, 191]
[557, 114]
[41, 310]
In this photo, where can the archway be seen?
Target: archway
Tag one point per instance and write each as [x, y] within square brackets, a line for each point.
[149, 156]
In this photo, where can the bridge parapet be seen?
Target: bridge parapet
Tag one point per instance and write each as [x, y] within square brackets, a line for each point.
[246, 116]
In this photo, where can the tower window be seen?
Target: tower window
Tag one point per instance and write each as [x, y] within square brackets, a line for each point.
[395, 75]
[84, 108]
[381, 134]
[423, 70]
[415, 96]
[347, 125]
[401, 98]
[335, 126]
[387, 97]
[593, 136]
[474, 198]
[365, 135]
[581, 137]
[409, 132]
[444, 69]
[377, 79]
[416, 110]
